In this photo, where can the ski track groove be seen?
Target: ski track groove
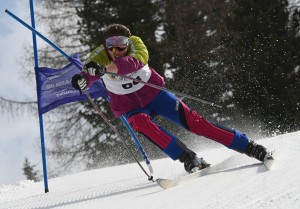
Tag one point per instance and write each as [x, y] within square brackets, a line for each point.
[64, 194]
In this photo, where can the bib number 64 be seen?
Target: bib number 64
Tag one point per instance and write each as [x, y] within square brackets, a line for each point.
[130, 85]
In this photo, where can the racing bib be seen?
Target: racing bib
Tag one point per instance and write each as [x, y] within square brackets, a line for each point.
[121, 86]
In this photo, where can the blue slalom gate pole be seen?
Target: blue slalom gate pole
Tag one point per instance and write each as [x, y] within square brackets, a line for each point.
[79, 67]
[36, 64]
[68, 57]
[38, 34]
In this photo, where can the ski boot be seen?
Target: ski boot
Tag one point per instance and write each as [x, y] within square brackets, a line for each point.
[191, 162]
[258, 152]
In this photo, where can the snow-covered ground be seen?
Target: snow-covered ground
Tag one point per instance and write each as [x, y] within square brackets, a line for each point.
[241, 182]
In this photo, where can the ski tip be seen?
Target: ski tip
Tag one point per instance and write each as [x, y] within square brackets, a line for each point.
[165, 183]
[268, 163]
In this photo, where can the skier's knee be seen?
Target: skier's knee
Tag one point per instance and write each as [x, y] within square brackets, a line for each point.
[142, 122]
[139, 121]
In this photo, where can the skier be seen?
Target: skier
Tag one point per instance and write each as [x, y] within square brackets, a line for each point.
[125, 54]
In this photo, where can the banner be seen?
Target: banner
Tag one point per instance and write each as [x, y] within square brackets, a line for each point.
[54, 86]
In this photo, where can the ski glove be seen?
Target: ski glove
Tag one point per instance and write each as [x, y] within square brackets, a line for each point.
[79, 82]
[94, 69]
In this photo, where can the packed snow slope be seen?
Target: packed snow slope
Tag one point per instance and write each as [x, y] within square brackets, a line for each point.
[240, 182]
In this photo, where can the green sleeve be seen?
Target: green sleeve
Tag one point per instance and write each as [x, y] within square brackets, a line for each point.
[138, 49]
[98, 55]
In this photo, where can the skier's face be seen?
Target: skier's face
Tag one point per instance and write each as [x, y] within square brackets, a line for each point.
[117, 51]
[117, 46]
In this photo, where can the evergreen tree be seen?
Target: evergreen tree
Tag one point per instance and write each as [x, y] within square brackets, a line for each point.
[262, 55]
[29, 172]
[191, 49]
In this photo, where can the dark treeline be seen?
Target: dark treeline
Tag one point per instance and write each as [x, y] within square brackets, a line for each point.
[242, 54]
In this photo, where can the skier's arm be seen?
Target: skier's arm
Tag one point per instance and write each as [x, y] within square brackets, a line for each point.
[124, 65]
[137, 56]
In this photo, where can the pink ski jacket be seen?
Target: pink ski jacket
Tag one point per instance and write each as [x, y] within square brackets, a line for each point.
[126, 95]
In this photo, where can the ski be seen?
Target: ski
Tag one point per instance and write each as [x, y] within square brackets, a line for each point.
[168, 183]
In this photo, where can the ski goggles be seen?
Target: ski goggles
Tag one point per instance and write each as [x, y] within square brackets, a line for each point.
[119, 48]
[120, 41]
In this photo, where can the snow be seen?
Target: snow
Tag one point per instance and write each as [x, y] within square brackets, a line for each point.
[240, 182]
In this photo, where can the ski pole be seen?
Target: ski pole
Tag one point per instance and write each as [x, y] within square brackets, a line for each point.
[163, 88]
[139, 146]
[150, 178]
